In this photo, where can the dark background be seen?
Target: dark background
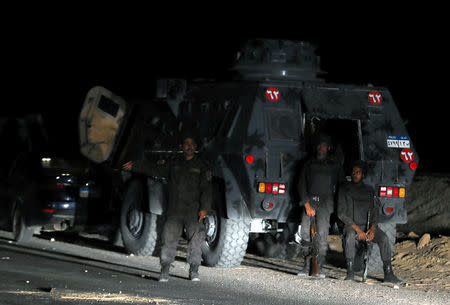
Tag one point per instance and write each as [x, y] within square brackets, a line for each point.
[54, 55]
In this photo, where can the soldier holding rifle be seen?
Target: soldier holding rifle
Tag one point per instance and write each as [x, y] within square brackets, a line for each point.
[356, 201]
[317, 185]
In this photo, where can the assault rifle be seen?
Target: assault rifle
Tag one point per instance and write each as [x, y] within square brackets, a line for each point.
[314, 253]
[367, 248]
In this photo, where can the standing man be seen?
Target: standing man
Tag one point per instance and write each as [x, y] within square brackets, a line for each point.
[317, 185]
[356, 199]
[190, 195]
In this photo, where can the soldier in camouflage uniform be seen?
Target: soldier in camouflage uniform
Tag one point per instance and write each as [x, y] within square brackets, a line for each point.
[190, 195]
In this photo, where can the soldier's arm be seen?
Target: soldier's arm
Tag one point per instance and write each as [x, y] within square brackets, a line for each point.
[301, 187]
[147, 168]
[343, 202]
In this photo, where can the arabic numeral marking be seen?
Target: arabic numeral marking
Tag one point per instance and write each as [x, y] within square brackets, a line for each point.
[407, 155]
[378, 96]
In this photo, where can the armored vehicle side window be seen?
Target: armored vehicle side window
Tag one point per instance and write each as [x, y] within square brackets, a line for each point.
[108, 106]
[283, 125]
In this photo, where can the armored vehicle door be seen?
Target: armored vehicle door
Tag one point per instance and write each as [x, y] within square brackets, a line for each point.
[99, 123]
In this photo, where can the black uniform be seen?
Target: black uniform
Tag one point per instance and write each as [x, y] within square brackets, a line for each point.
[189, 192]
[317, 185]
[354, 203]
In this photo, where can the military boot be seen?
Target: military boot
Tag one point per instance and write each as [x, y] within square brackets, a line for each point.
[306, 266]
[350, 272]
[193, 273]
[164, 275]
[389, 274]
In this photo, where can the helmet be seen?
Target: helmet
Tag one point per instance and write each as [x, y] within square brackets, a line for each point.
[323, 138]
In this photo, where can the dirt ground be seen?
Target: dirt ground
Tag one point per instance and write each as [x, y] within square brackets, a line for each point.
[428, 205]
[427, 268]
[424, 268]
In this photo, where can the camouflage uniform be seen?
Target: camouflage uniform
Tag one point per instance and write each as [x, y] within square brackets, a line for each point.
[189, 192]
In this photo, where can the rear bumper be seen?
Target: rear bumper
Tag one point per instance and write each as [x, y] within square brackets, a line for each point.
[53, 214]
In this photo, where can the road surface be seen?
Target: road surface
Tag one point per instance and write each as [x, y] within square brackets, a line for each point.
[91, 271]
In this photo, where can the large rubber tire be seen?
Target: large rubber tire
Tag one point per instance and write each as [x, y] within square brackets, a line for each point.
[375, 262]
[139, 228]
[22, 234]
[227, 245]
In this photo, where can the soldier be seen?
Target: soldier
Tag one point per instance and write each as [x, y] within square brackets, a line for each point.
[317, 185]
[189, 199]
[356, 199]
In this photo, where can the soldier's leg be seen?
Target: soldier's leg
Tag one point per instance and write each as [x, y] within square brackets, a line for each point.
[382, 241]
[170, 236]
[195, 234]
[323, 227]
[350, 243]
[305, 233]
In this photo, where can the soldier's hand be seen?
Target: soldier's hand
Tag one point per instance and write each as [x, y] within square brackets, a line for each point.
[202, 214]
[370, 233]
[127, 166]
[361, 234]
[309, 210]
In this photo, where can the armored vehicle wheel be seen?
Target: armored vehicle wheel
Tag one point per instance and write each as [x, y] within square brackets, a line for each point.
[138, 227]
[22, 233]
[226, 241]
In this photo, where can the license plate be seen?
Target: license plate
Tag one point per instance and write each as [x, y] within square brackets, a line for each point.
[84, 192]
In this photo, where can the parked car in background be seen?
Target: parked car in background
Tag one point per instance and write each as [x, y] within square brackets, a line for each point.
[41, 188]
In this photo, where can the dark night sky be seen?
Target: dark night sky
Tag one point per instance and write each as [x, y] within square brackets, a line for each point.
[53, 59]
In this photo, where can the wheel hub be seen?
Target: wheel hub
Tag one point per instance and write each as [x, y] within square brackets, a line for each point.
[134, 221]
[211, 224]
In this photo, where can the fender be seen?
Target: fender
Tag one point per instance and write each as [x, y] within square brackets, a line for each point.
[236, 207]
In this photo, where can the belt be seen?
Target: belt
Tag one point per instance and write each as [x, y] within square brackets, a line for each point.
[315, 198]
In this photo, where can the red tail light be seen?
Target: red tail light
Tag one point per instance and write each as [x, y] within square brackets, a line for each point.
[272, 188]
[275, 188]
[389, 210]
[249, 159]
[49, 210]
[389, 191]
[267, 206]
[395, 192]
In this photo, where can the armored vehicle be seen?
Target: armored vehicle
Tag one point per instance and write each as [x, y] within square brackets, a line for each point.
[255, 130]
